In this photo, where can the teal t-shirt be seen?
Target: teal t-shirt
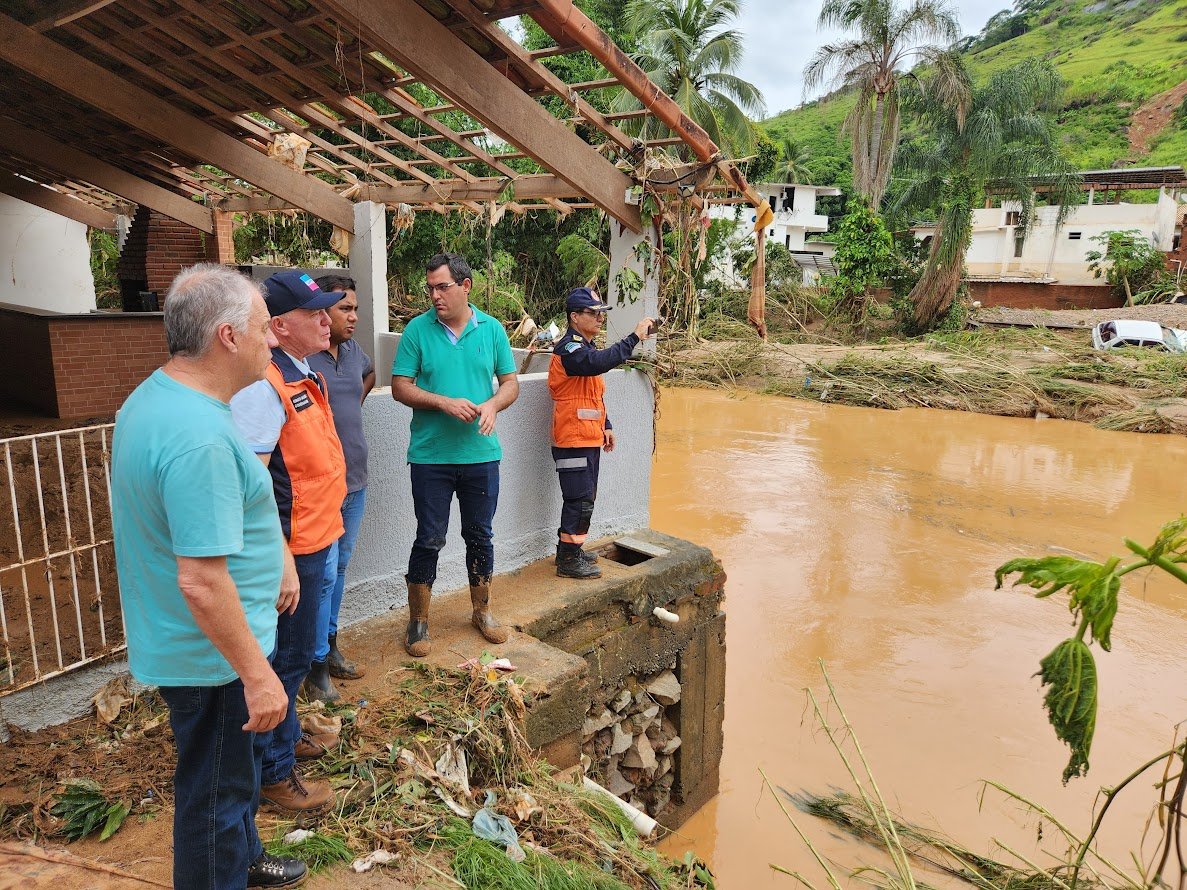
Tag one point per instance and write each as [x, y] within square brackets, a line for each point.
[184, 484]
[462, 370]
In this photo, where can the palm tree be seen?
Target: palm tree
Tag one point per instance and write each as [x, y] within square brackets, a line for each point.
[688, 49]
[793, 162]
[891, 40]
[1004, 142]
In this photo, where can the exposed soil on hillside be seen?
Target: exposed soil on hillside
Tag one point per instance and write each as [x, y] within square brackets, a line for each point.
[1152, 117]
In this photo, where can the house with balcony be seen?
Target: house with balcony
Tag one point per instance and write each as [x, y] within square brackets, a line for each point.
[794, 206]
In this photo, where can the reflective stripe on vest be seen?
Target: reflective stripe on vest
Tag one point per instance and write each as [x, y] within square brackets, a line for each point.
[578, 409]
[307, 467]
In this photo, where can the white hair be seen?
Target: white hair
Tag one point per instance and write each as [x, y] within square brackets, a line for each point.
[200, 299]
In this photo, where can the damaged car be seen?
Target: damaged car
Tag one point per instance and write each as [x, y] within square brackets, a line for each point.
[1115, 334]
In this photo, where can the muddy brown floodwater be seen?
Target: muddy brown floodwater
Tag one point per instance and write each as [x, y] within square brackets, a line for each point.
[868, 539]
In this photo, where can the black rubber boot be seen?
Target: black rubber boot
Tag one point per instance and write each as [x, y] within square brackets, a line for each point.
[569, 564]
[341, 668]
[318, 685]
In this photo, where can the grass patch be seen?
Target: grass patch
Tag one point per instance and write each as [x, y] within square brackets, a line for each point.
[318, 851]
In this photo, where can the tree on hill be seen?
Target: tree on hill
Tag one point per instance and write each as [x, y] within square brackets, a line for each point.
[1003, 141]
[792, 165]
[688, 49]
[891, 40]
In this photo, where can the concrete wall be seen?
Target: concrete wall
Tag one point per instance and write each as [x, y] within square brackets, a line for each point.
[46, 259]
[525, 524]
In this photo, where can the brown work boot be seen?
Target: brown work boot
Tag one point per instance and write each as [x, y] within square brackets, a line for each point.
[297, 796]
[310, 747]
[482, 619]
[416, 643]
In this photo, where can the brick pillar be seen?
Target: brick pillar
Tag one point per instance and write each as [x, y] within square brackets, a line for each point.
[224, 241]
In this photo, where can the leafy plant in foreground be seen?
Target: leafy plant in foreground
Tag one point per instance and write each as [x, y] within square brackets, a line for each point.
[84, 810]
[1069, 670]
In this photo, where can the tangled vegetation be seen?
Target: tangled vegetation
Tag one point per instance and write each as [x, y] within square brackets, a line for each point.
[409, 772]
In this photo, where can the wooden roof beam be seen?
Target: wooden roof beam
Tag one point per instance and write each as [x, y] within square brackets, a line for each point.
[76, 164]
[56, 202]
[58, 14]
[83, 79]
[415, 40]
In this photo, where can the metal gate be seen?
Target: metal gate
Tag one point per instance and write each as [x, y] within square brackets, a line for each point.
[59, 598]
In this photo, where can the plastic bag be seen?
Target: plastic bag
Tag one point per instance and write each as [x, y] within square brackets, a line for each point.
[490, 826]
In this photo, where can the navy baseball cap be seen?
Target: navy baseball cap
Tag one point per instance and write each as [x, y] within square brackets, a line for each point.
[584, 298]
[286, 291]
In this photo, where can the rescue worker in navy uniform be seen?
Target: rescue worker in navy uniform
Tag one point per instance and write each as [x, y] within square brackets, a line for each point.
[580, 427]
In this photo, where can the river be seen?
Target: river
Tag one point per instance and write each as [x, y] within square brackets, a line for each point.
[868, 539]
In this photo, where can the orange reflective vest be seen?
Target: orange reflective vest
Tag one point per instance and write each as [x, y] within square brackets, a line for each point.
[307, 466]
[578, 408]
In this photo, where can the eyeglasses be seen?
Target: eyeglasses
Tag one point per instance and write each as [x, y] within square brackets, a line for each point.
[600, 313]
[440, 288]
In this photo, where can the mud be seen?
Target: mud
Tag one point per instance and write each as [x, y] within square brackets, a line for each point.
[868, 539]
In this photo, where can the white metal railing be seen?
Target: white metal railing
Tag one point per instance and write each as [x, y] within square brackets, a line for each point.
[59, 598]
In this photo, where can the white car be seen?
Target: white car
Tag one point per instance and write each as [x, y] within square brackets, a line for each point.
[1112, 334]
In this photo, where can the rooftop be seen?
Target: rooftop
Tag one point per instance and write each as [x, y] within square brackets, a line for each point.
[313, 104]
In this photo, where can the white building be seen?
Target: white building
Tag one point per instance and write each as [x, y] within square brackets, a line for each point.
[1050, 253]
[794, 205]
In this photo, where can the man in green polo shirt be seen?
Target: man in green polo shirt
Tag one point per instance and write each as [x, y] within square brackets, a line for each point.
[444, 370]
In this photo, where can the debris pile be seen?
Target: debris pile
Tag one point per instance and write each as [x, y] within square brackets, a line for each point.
[629, 744]
[432, 777]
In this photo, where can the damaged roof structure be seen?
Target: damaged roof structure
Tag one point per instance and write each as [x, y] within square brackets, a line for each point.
[194, 106]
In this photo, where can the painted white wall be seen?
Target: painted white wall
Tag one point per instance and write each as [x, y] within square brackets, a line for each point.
[1050, 252]
[45, 259]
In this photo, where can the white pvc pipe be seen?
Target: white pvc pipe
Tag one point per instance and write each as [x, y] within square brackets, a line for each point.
[640, 821]
[664, 615]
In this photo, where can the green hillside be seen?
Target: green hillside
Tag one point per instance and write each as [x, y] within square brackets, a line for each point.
[1114, 55]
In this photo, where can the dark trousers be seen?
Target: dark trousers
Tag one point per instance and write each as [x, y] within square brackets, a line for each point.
[296, 636]
[577, 469]
[216, 787]
[433, 488]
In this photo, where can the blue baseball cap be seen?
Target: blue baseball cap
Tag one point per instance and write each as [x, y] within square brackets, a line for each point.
[286, 291]
[584, 298]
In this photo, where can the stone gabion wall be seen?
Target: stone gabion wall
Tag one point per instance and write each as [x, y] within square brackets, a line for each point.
[629, 744]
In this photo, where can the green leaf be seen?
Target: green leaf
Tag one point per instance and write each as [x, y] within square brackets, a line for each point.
[1069, 672]
[1092, 587]
[115, 818]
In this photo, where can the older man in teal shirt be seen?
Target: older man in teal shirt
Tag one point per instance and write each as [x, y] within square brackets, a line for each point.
[444, 370]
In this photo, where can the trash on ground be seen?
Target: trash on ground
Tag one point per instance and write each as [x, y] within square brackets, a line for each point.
[490, 826]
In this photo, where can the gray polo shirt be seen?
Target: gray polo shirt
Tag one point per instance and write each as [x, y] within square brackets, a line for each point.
[344, 378]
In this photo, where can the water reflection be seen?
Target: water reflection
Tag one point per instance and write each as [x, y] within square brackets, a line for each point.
[868, 539]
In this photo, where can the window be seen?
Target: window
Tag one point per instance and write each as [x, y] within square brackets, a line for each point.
[1013, 217]
[1074, 236]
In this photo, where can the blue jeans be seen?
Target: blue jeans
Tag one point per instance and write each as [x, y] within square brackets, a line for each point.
[295, 637]
[433, 488]
[216, 787]
[335, 580]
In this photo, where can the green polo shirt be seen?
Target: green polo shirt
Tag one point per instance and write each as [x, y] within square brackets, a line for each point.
[466, 370]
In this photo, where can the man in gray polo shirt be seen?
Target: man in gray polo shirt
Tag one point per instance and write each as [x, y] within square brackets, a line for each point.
[350, 375]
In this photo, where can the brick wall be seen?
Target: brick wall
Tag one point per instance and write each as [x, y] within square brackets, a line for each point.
[98, 361]
[158, 247]
[1028, 295]
[77, 365]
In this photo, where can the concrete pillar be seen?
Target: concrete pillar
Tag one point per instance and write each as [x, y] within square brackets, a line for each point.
[631, 304]
[368, 268]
